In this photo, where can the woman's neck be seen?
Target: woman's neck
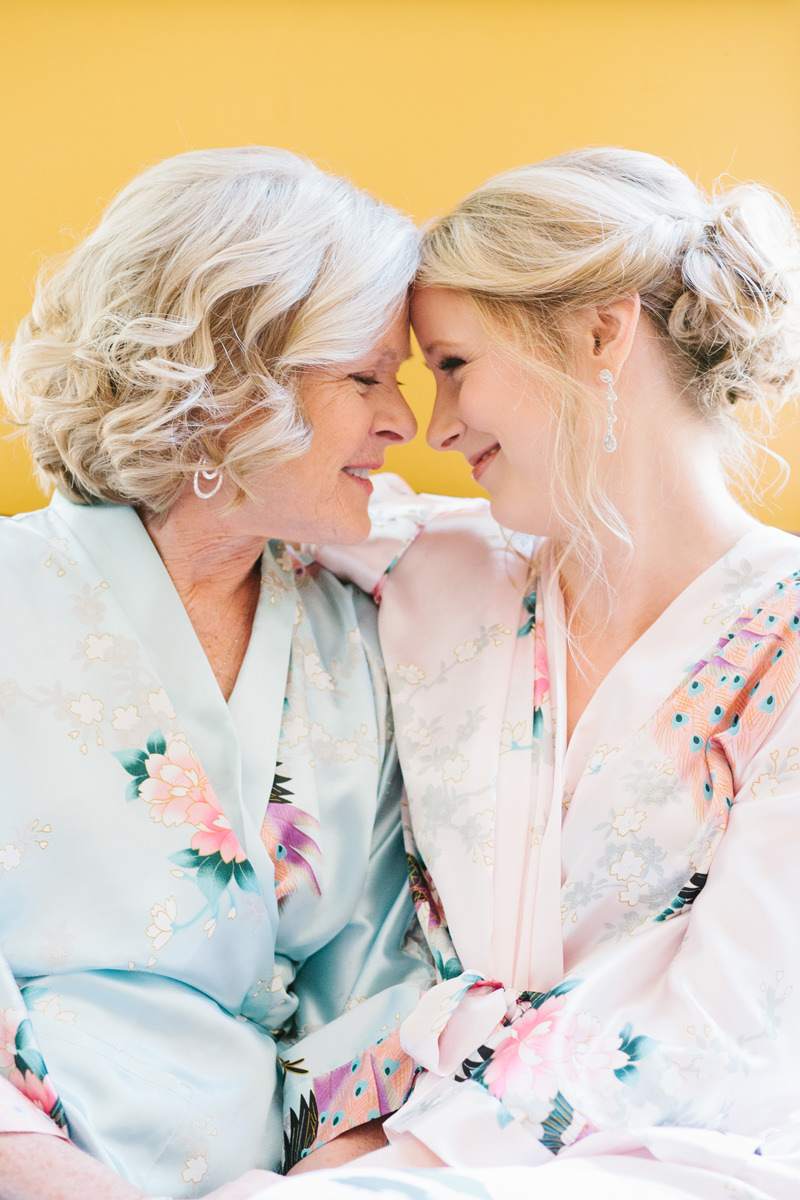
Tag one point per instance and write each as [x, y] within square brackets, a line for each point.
[217, 577]
[681, 519]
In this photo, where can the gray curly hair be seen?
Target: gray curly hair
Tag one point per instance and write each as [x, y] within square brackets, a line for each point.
[175, 335]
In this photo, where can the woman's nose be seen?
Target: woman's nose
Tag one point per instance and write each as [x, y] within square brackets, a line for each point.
[445, 426]
[396, 422]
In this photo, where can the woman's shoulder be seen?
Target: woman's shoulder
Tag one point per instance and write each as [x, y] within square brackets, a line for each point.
[422, 533]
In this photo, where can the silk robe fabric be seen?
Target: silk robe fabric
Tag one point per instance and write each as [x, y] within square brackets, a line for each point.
[613, 921]
[164, 930]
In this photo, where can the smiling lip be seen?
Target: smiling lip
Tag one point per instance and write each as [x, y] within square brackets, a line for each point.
[361, 474]
[481, 461]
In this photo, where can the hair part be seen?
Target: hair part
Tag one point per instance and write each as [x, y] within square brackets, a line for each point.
[718, 277]
[175, 336]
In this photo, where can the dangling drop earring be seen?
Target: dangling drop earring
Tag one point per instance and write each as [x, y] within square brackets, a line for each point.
[209, 475]
[609, 441]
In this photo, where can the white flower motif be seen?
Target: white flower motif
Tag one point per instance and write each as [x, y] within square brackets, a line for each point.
[633, 892]
[455, 768]
[51, 1007]
[98, 646]
[163, 918]
[159, 702]
[629, 866]
[87, 709]
[410, 673]
[599, 757]
[210, 927]
[346, 751]
[763, 787]
[126, 718]
[294, 730]
[629, 821]
[511, 735]
[195, 1169]
[419, 736]
[318, 678]
[10, 857]
[465, 651]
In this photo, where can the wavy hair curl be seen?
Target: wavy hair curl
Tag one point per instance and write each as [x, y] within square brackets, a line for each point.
[175, 335]
[718, 277]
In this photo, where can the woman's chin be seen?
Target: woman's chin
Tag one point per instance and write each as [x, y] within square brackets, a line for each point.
[346, 533]
[513, 516]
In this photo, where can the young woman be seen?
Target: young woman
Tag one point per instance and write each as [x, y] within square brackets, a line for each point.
[599, 725]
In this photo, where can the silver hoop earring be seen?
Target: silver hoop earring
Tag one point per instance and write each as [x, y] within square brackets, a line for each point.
[609, 441]
[209, 475]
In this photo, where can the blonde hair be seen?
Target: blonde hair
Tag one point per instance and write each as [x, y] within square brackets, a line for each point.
[718, 277]
[175, 335]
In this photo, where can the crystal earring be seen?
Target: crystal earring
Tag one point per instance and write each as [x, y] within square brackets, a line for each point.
[209, 475]
[609, 441]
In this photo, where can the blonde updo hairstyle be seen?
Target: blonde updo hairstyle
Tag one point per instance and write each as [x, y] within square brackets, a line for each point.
[174, 337]
[718, 277]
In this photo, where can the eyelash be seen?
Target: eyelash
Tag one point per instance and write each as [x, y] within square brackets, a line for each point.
[365, 380]
[451, 363]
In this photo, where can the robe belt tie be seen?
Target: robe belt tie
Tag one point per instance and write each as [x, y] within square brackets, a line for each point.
[454, 1018]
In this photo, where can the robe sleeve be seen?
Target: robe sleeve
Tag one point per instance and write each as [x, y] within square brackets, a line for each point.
[29, 1102]
[348, 1067]
[692, 1020]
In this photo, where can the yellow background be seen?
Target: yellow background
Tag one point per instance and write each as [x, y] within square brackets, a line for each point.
[417, 100]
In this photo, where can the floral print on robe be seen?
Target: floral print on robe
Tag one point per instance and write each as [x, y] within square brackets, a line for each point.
[611, 919]
[204, 904]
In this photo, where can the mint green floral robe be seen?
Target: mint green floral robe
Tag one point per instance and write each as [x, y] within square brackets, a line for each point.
[199, 899]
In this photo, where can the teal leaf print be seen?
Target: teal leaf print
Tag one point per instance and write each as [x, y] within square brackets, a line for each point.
[186, 858]
[529, 604]
[537, 999]
[156, 743]
[168, 777]
[635, 1048]
[213, 876]
[133, 761]
[686, 896]
[245, 876]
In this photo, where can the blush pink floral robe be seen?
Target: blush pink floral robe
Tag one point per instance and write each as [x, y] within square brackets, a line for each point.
[613, 921]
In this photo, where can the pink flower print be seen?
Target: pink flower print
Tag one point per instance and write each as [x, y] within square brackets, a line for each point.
[541, 670]
[534, 1059]
[176, 783]
[39, 1091]
[551, 1048]
[214, 835]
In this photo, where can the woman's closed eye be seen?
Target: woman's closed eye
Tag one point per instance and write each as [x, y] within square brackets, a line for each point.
[366, 380]
[450, 363]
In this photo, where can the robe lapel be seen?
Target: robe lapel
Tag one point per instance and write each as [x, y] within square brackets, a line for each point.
[139, 583]
[656, 663]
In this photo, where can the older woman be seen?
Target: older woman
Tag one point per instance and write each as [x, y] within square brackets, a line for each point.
[599, 728]
[202, 859]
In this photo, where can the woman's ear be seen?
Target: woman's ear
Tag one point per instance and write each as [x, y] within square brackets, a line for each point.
[608, 331]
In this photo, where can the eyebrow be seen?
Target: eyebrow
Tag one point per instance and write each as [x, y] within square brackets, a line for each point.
[437, 345]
